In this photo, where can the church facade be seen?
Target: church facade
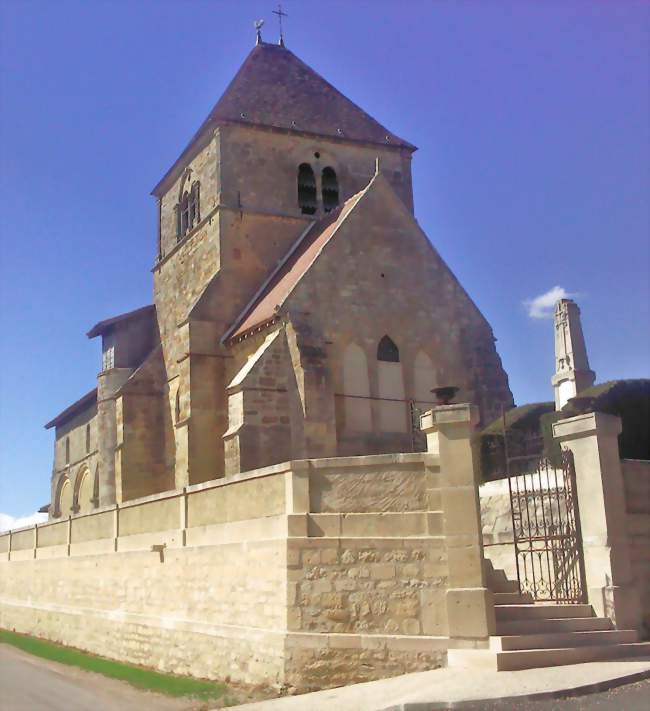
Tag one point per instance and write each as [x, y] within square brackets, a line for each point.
[299, 310]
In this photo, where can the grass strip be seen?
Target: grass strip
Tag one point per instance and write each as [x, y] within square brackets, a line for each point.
[136, 676]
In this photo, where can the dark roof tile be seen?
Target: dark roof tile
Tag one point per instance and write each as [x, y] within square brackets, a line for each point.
[276, 89]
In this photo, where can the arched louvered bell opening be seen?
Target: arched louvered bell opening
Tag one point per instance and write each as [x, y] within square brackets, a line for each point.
[307, 189]
[330, 189]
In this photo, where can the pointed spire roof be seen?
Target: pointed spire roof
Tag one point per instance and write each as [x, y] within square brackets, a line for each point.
[274, 88]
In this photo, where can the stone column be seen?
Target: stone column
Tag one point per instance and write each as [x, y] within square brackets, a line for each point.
[593, 439]
[572, 371]
[470, 607]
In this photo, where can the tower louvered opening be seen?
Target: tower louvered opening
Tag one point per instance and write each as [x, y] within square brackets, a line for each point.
[307, 189]
[330, 189]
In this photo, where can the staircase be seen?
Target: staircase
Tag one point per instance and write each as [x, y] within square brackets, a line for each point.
[541, 635]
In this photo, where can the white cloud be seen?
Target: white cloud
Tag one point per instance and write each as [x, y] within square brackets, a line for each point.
[7, 521]
[543, 306]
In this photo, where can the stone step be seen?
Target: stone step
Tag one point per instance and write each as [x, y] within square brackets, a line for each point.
[548, 626]
[554, 640]
[533, 658]
[540, 611]
[507, 586]
[497, 580]
[513, 598]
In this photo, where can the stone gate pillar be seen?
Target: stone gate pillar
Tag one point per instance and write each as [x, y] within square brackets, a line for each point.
[593, 440]
[470, 607]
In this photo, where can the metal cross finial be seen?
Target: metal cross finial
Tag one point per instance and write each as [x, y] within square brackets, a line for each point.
[258, 31]
[280, 15]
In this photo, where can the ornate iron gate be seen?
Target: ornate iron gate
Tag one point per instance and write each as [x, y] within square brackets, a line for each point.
[546, 527]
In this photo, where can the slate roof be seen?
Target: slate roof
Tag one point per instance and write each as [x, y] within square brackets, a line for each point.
[81, 404]
[104, 325]
[281, 282]
[276, 89]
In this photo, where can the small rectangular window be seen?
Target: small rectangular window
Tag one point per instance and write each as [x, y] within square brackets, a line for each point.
[108, 352]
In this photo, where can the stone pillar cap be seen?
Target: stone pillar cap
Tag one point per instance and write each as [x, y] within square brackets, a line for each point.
[587, 424]
[446, 415]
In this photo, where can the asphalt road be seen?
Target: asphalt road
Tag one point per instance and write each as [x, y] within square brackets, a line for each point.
[28, 683]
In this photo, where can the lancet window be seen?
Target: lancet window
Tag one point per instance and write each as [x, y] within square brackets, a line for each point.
[387, 350]
[188, 210]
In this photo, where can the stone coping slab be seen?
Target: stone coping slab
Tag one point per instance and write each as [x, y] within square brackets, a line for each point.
[440, 688]
[400, 460]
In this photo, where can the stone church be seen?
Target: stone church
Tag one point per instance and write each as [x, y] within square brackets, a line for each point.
[299, 309]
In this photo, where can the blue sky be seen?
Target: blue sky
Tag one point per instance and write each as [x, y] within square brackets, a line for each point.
[532, 172]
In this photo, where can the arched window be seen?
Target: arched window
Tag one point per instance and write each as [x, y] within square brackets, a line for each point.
[387, 351]
[63, 504]
[83, 491]
[184, 212]
[87, 439]
[67, 450]
[330, 189]
[188, 209]
[306, 189]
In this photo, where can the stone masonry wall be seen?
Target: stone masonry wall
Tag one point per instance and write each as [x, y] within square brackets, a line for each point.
[192, 611]
[370, 586]
[636, 479]
[259, 409]
[353, 300]
[83, 456]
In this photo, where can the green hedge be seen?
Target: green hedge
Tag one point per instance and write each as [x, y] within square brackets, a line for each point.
[521, 426]
[629, 399]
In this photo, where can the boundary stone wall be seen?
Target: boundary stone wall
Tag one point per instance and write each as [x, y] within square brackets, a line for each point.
[306, 574]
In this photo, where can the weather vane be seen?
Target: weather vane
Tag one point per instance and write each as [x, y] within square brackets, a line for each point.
[280, 15]
[258, 30]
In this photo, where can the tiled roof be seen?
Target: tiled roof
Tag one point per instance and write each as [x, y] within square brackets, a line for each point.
[102, 326]
[274, 88]
[82, 403]
[282, 281]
